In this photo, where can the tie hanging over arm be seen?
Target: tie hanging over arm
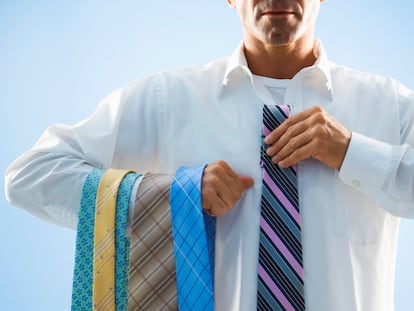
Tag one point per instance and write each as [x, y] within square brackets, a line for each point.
[144, 271]
[84, 278]
[152, 274]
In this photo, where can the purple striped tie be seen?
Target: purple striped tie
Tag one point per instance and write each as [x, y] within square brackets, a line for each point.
[280, 279]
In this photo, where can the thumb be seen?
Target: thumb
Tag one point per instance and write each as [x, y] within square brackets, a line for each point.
[247, 181]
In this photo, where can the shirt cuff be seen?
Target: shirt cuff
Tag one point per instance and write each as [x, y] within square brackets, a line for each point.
[131, 207]
[367, 164]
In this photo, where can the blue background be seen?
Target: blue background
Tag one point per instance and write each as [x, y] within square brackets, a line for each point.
[58, 59]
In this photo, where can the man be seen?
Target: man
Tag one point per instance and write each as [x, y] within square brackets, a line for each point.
[351, 186]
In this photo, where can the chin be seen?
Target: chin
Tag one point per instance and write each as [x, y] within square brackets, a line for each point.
[277, 39]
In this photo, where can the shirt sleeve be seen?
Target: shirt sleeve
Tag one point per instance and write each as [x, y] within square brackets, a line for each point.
[385, 172]
[47, 181]
[123, 133]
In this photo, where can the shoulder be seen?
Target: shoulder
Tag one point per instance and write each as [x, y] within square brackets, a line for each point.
[341, 74]
[179, 79]
[348, 80]
[173, 89]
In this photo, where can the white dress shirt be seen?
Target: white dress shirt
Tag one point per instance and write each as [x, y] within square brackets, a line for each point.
[200, 115]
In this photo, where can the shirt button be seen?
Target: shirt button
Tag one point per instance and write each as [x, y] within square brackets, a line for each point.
[356, 183]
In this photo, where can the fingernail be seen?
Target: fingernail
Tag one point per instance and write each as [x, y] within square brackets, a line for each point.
[266, 140]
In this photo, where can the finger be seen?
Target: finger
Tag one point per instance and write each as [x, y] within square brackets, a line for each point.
[219, 180]
[320, 145]
[276, 133]
[247, 182]
[291, 121]
[232, 186]
[289, 148]
[215, 206]
[295, 157]
[222, 188]
[211, 202]
[219, 203]
[291, 133]
[231, 191]
[299, 134]
[282, 128]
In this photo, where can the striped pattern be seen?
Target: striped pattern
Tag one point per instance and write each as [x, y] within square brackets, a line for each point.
[104, 240]
[280, 270]
[82, 290]
[152, 281]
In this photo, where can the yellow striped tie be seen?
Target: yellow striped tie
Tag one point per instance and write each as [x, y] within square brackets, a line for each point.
[104, 241]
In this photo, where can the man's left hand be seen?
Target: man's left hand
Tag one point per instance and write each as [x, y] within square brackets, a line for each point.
[312, 133]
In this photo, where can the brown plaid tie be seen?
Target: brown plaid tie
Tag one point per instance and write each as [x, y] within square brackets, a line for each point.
[152, 282]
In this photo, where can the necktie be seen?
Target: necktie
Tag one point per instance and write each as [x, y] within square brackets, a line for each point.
[83, 272]
[104, 240]
[153, 287]
[152, 274]
[83, 278]
[280, 269]
[194, 237]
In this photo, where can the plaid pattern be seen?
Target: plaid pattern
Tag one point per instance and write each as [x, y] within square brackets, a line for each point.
[194, 238]
[152, 281]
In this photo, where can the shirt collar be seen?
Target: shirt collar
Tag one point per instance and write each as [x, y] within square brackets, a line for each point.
[237, 68]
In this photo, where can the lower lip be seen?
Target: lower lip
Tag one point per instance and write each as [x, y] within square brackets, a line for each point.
[278, 15]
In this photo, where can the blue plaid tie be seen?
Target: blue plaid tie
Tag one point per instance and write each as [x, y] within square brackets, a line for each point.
[194, 235]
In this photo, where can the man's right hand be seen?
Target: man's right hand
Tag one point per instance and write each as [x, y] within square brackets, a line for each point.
[221, 188]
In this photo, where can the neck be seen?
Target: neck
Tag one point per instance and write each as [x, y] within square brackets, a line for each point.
[279, 62]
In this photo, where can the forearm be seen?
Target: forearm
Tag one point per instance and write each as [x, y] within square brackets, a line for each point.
[48, 185]
[48, 180]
